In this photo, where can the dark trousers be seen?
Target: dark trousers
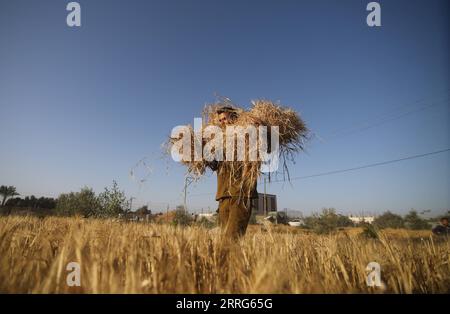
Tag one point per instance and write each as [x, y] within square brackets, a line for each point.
[234, 215]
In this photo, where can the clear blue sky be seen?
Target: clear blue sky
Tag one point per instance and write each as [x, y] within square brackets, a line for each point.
[80, 106]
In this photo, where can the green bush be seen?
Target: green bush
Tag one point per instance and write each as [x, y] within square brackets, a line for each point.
[182, 218]
[414, 222]
[83, 203]
[86, 203]
[112, 202]
[252, 220]
[369, 231]
[328, 221]
[206, 223]
[389, 220]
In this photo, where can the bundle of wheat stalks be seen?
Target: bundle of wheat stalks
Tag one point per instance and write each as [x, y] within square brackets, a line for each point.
[292, 136]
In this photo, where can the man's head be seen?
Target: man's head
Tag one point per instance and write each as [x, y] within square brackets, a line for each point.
[444, 221]
[227, 115]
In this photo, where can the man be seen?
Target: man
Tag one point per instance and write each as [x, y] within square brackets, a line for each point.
[443, 228]
[234, 190]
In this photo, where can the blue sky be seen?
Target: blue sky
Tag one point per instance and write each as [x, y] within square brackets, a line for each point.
[81, 106]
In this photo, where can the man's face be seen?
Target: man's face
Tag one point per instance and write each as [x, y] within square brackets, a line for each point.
[225, 119]
[445, 222]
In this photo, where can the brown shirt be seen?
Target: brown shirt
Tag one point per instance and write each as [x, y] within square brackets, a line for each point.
[233, 185]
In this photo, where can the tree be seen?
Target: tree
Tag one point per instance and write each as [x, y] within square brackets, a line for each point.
[370, 231]
[344, 221]
[82, 203]
[143, 210]
[327, 221]
[181, 218]
[414, 222]
[46, 202]
[7, 191]
[112, 202]
[32, 202]
[389, 220]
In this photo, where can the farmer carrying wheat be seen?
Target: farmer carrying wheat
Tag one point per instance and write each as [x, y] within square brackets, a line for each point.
[234, 199]
[237, 175]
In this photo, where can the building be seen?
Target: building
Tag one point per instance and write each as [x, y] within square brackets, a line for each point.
[208, 216]
[360, 219]
[271, 204]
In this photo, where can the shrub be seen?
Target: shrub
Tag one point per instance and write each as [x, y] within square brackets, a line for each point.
[82, 203]
[182, 218]
[32, 202]
[206, 223]
[369, 231]
[112, 202]
[143, 210]
[252, 219]
[389, 220]
[414, 222]
[327, 221]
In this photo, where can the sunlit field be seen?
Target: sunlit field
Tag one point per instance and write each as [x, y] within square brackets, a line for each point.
[130, 257]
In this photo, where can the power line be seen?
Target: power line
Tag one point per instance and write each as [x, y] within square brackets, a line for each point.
[351, 169]
[388, 119]
[365, 166]
[377, 121]
[388, 115]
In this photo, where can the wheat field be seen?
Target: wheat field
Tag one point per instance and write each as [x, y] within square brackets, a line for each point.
[121, 257]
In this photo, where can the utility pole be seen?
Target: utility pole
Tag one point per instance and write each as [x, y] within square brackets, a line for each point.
[131, 203]
[265, 198]
[185, 189]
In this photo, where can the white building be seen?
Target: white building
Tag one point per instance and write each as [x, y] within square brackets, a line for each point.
[207, 216]
[359, 219]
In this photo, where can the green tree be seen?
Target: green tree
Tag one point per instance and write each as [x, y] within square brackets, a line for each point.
[143, 210]
[414, 222]
[7, 191]
[370, 231]
[389, 220]
[327, 221]
[206, 223]
[344, 221]
[82, 203]
[112, 202]
[182, 218]
[32, 202]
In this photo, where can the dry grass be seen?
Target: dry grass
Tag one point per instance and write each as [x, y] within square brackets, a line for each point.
[120, 257]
